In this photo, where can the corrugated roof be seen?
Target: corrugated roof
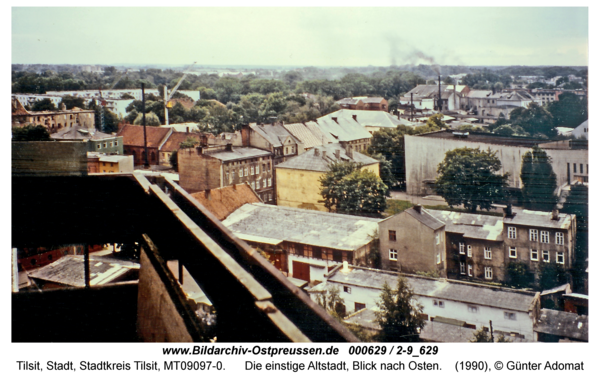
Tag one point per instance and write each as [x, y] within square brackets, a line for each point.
[479, 94]
[134, 135]
[317, 228]
[471, 225]
[275, 134]
[562, 324]
[316, 162]
[425, 217]
[470, 293]
[540, 219]
[225, 200]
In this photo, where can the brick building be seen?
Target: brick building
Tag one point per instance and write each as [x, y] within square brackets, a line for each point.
[52, 120]
[133, 142]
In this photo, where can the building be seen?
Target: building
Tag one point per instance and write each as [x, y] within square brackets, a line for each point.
[364, 103]
[134, 144]
[346, 130]
[213, 167]
[512, 312]
[298, 178]
[225, 200]
[544, 97]
[115, 164]
[172, 143]
[99, 141]
[424, 97]
[581, 132]
[272, 137]
[371, 120]
[561, 326]
[425, 152]
[52, 120]
[309, 134]
[471, 246]
[304, 243]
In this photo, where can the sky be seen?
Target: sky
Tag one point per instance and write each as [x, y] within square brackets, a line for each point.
[300, 36]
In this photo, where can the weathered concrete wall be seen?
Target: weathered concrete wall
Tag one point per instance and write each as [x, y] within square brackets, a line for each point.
[50, 157]
[158, 319]
[424, 154]
[299, 188]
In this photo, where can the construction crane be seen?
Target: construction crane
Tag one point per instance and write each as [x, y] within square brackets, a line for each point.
[167, 99]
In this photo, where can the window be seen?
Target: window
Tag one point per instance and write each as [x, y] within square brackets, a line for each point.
[533, 235]
[292, 248]
[574, 168]
[308, 251]
[512, 252]
[392, 235]
[347, 289]
[438, 257]
[105, 145]
[394, 254]
[462, 268]
[472, 309]
[116, 143]
[252, 185]
[241, 172]
[546, 256]
[461, 248]
[264, 183]
[437, 238]
[560, 238]
[512, 232]
[470, 268]
[560, 257]
[581, 168]
[286, 150]
[245, 172]
[487, 253]
[511, 316]
[99, 146]
[469, 251]
[488, 273]
[251, 170]
[359, 306]
[269, 181]
[270, 197]
[257, 169]
[438, 303]
[544, 236]
[534, 255]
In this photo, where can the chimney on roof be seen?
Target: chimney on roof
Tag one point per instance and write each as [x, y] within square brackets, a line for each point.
[337, 154]
[229, 147]
[418, 208]
[345, 268]
[234, 188]
[187, 129]
[555, 214]
[334, 119]
[354, 117]
[316, 152]
[349, 152]
[324, 153]
[508, 211]
[207, 194]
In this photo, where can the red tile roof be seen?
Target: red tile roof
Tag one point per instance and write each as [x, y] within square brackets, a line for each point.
[133, 135]
[177, 138]
[222, 202]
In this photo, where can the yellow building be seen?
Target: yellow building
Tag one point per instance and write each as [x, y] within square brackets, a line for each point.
[298, 183]
[116, 164]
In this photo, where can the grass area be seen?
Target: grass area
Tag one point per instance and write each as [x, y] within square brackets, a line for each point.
[395, 206]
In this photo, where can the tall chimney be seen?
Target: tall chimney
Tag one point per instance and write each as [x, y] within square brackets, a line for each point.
[418, 208]
[508, 211]
[555, 214]
[439, 105]
[412, 108]
[354, 117]
[334, 119]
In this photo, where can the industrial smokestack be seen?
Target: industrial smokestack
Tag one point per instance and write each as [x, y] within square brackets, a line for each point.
[439, 105]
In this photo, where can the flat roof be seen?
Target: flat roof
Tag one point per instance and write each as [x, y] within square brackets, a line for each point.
[488, 138]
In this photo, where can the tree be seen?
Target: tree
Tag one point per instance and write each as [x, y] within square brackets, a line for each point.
[577, 204]
[436, 122]
[151, 119]
[569, 110]
[482, 336]
[189, 142]
[348, 190]
[43, 105]
[468, 176]
[399, 315]
[518, 275]
[390, 143]
[331, 301]
[534, 120]
[30, 133]
[551, 275]
[539, 180]
[72, 101]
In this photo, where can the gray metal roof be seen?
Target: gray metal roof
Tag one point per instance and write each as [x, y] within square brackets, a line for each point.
[426, 218]
[344, 128]
[471, 225]
[470, 293]
[317, 228]
[316, 162]
[367, 118]
[479, 94]
[540, 219]
[562, 324]
[309, 134]
[238, 153]
[275, 134]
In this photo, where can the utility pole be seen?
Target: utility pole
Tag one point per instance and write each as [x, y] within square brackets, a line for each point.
[491, 331]
[146, 164]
